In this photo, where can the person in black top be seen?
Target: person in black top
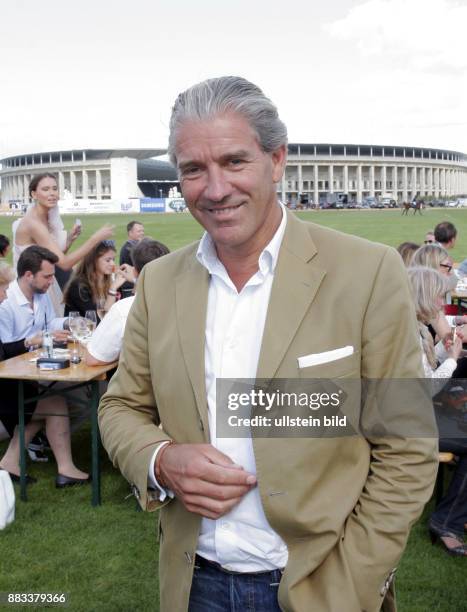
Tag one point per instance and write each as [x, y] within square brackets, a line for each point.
[95, 282]
[4, 246]
[135, 232]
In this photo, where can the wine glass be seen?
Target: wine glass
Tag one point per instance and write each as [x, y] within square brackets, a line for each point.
[91, 319]
[73, 315]
[100, 308]
[81, 329]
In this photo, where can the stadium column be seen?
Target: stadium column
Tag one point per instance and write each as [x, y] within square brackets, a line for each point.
[359, 183]
[99, 185]
[429, 181]
[85, 184]
[315, 184]
[405, 186]
[383, 179]
[422, 181]
[299, 181]
[25, 189]
[331, 178]
[73, 183]
[346, 179]
[372, 180]
[61, 184]
[413, 181]
[394, 183]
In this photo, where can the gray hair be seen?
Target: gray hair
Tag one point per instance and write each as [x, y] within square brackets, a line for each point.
[229, 94]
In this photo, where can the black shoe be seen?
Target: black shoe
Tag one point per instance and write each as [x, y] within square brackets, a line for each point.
[36, 454]
[42, 439]
[438, 533]
[16, 479]
[36, 449]
[62, 481]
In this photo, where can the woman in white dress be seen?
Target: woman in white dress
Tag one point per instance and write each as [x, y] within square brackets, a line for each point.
[43, 226]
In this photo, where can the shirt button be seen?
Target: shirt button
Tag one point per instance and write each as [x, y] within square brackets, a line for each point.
[225, 525]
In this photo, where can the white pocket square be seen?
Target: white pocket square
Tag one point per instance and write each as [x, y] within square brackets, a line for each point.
[318, 358]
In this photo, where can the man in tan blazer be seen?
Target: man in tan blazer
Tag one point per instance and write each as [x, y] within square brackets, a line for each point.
[296, 524]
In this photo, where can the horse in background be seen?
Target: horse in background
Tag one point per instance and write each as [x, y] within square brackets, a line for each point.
[416, 206]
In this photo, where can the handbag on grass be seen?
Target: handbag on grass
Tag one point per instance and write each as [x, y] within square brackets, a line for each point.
[7, 500]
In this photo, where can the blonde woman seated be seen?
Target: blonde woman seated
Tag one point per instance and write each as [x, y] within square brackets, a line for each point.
[52, 411]
[439, 362]
[436, 257]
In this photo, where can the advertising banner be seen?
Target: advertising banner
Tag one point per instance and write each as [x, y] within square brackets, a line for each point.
[152, 205]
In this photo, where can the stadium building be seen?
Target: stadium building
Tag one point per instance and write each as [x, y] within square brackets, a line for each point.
[314, 172]
[91, 174]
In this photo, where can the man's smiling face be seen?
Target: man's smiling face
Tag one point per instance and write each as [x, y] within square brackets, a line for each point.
[228, 182]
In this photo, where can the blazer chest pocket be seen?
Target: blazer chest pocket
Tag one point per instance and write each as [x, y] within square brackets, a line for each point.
[346, 367]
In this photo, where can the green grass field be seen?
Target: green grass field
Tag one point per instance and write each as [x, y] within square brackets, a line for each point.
[387, 226]
[106, 558]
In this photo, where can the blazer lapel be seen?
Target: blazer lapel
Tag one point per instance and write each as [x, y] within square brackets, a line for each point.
[296, 282]
[191, 297]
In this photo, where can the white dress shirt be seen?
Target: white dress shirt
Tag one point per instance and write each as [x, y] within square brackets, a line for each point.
[241, 540]
[18, 320]
[106, 341]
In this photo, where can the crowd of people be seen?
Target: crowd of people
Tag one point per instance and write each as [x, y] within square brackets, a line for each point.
[432, 279]
[48, 284]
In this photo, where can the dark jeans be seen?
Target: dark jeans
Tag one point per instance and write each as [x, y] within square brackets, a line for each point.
[451, 512]
[216, 590]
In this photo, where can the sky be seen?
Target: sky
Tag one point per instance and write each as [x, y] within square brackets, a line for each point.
[105, 73]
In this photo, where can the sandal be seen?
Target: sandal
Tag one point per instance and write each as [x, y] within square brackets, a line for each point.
[438, 533]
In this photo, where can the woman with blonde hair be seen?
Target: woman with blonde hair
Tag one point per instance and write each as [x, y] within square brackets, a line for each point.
[42, 225]
[52, 411]
[439, 362]
[435, 256]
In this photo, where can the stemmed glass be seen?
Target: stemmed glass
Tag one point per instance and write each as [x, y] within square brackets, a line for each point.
[81, 329]
[100, 308]
[73, 323]
[91, 320]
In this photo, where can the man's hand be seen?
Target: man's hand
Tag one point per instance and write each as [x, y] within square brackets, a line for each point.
[204, 479]
[61, 335]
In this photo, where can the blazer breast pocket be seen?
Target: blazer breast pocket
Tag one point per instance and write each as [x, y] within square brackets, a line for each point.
[346, 367]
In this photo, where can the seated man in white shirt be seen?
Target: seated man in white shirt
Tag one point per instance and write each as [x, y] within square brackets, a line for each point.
[106, 342]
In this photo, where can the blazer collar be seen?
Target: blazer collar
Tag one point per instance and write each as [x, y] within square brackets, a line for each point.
[191, 300]
[296, 281]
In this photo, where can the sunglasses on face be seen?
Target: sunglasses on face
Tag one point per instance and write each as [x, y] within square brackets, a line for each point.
[429, 241]
[447, 266]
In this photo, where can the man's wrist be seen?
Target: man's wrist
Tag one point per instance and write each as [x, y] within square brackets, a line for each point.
[157, 465]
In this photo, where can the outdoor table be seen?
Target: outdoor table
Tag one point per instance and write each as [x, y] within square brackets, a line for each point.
[23, 368]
